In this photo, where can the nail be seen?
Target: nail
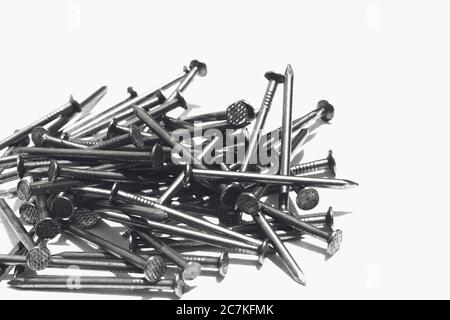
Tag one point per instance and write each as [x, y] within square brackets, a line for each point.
[307, 198]
[68, 108]
[100, 121]
[26, 189]
[84, 218]
[55, 171]
[94, 116]
[323, 218]
[97, 126]
[207, 238]
[22, 165]
[62, 206]
[132, 209]
[333, 239]
[237, 114]
[57, 262]
[86, 106]
[177, 101]
[274, 80]
[116, 155]
[323, 111]
[29, 213]
[272, 179]
[166, 136]
[195, 67]
[190, 269]
[42, 137]
[46, 228]
[174, 285]
[219, 264]
[118, 194]
[38, 257]
[247, 203]
[286, 131]
[182, 180]
[153, 268]
[329, 164]
[133, 136]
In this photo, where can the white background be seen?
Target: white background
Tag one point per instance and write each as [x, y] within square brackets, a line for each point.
[384, 65]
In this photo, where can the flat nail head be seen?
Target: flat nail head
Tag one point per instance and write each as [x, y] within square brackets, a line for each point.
[20, 164]
[29, 213]
[248, 203]
[202, 70]
[327, 110]
[239, 113]
[231, 193]
[307, 198]
[136, 136]
[335, 242]
[155, 268]
[85, 218]
[191, 271]
[38, 136]
[24, 190]
[277, 77]
[47, 229]
[62, 207]
[132, 92]
[38, 258]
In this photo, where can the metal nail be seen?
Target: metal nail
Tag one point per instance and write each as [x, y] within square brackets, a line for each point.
[286, 131]
[153, 268]
[38, 257]
[190, 269]
[68, 108]
[249, 204]
[329, 164]
[274, 80]
[272, 179]
[175, 285]
[333, 239]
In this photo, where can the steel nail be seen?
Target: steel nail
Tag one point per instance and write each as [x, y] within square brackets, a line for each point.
[190, 269]
[153, 268]
[68, 108]
[274, 80]
[38, 257]
[286, 131]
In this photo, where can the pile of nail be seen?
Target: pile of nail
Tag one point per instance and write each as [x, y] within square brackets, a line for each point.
[183, 197]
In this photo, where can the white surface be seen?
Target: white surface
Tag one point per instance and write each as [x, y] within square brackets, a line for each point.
[383, 65]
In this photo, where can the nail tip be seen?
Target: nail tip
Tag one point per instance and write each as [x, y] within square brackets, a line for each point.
[289, 69]
[300, 280]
